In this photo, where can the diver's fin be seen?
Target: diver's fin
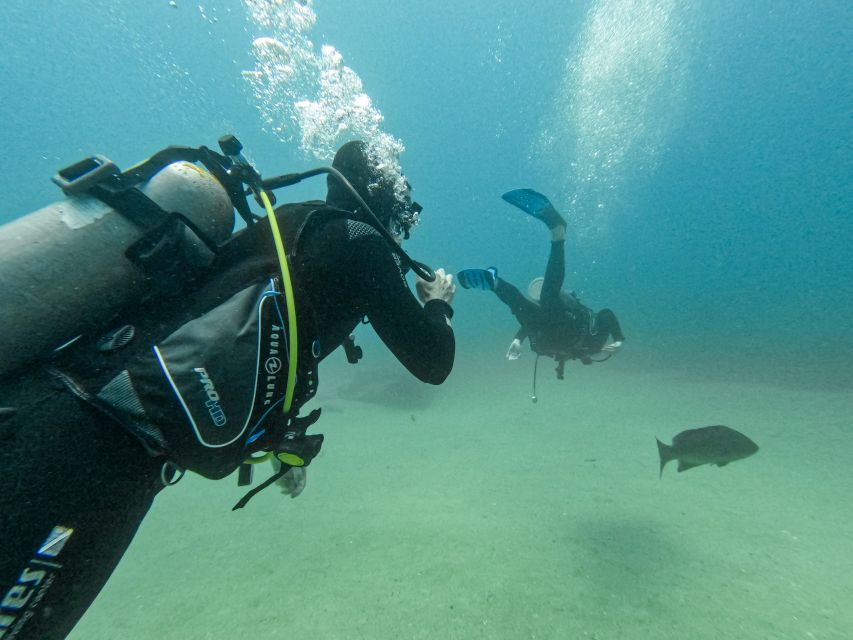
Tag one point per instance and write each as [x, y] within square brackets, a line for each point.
[535, 204]
[527, 200]
[478, 278]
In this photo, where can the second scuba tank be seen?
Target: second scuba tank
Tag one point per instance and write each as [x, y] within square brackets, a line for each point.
[64, 269]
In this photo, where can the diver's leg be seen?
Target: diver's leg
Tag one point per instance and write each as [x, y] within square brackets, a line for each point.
[537, 205]
[75, 487]
[555, 272]
[526, 312]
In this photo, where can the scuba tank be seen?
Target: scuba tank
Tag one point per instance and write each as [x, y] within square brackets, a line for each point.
[67, 268]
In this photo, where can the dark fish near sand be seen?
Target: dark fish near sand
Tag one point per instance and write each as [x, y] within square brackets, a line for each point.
[717, 445]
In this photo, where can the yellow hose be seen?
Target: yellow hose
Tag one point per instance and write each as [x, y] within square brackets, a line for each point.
[291, 305]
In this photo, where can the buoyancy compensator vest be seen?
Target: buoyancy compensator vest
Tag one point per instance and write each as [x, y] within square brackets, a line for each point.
[564, 332]
[214, 387]
[205, 379]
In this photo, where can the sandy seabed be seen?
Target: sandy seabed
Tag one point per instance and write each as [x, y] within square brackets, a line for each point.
[467, 511]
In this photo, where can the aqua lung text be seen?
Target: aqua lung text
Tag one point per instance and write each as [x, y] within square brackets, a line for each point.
[273, 364]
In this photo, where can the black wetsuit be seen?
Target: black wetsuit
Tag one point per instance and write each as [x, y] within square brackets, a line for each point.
[559, 326]
[75, 484]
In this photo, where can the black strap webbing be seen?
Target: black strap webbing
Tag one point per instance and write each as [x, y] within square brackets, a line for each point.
[133, 205]
[251, 494]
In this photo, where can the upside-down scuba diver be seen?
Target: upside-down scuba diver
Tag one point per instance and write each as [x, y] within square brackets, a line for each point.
[555, 321]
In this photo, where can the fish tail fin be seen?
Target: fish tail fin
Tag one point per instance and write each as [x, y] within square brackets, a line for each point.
[665, 452]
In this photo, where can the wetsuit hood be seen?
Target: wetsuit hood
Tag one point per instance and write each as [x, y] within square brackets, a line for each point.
[376, 187]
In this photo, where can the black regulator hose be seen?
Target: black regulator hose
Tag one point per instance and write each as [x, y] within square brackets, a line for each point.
[423, 271]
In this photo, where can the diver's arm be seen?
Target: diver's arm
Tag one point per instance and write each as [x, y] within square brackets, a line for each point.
[419, 336]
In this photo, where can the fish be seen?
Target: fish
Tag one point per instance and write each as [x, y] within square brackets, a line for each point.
[717, 445]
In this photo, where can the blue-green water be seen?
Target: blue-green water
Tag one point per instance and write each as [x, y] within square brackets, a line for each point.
[702, 152]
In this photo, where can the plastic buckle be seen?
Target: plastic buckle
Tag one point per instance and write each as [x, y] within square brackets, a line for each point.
[78, 178]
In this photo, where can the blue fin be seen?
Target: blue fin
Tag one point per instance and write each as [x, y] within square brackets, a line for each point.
[528, 200]
[478, 278]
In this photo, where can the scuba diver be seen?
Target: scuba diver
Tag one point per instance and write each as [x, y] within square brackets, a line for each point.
[202, 365]
[555, 321]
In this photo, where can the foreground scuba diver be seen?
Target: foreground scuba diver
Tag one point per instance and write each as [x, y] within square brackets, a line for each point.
[207, 373]
[555, 321]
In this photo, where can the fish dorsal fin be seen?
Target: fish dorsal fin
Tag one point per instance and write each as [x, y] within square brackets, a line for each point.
[684, 466]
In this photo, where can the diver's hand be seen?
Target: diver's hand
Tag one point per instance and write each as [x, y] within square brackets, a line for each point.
[514, 350]
[442, 288]
[293, 482]
[613, 347]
